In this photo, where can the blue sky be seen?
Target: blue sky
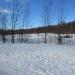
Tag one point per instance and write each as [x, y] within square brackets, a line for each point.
[36, 11]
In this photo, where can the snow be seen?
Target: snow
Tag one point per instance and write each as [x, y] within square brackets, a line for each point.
[40, 38]
[37, 59]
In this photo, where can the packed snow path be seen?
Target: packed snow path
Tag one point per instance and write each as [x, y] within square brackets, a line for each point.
[31, 59]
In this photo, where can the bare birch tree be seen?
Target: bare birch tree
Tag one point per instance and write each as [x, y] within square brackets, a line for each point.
[26, 19]
[46, 15]
[60, 20]
[3, 22]
[14, 16]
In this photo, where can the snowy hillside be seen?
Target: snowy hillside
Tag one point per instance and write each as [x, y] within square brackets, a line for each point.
[34, 59]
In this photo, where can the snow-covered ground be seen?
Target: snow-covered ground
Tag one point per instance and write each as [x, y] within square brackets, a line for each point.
[40, 38]
[37, 59]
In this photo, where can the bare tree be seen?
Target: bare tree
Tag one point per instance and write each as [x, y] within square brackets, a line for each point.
[14, 16]
[46, 15]
[60, 20]
[3, 21]
[26, 19]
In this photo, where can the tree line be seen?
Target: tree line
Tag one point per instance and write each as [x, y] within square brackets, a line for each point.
[20, 10]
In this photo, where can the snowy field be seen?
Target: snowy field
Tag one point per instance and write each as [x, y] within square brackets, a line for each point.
[37, 59]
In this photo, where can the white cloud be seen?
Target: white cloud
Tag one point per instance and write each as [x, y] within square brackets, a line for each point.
[6, 11]
[7, 0]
